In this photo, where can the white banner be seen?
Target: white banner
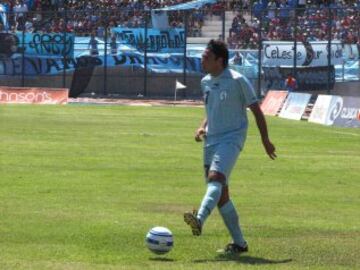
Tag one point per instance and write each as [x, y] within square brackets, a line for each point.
[295, 105]
[159, 20]
[315, 54]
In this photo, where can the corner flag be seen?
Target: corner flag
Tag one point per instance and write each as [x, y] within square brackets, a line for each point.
[178, 86]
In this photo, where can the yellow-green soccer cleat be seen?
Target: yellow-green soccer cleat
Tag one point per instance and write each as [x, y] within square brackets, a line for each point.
[193, 222]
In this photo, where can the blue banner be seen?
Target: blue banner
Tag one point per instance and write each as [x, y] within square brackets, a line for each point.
[49, 44]
[35, 66]
[189, 5]
[163, 41]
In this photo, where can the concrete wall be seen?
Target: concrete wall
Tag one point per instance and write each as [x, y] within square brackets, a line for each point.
[120, 81]
[340, 89]
[128, 82]
[53, 81]
[347, 89]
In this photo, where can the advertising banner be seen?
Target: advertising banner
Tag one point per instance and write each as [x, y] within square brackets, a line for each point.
[349, 115]
[29, 95]
[324, 110]
[273, 101]
[295, 105]
[336, 110]
[308, 78]
[314, 53]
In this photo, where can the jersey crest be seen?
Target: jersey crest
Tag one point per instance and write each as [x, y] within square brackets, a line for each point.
[223, 95]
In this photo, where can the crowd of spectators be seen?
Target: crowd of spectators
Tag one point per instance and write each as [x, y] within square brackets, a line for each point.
[89, 16]
[277, 19]
[270, 19]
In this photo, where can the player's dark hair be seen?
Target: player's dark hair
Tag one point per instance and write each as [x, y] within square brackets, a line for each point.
[220, 49]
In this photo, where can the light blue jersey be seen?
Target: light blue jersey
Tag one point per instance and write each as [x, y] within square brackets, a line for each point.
[226, 99]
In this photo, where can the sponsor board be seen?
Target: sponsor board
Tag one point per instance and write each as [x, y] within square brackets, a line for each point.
[273, 101]
[336, 110]
[315, 53]
[325, 109]
[32, 95]
[295, 105]
[349, 115]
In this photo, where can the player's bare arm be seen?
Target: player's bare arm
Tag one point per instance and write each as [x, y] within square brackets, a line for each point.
[201, 131]
[261, 123]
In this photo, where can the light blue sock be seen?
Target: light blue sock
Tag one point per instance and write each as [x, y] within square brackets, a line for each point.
[210, 200]
[231, 220]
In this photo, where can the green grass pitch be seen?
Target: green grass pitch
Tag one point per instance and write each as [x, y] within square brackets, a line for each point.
[80, 186]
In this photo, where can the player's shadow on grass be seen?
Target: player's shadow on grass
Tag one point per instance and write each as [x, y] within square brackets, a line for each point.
[244, 260]
[160, 259]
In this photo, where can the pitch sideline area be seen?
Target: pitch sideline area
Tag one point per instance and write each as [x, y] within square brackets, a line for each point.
[136, 102]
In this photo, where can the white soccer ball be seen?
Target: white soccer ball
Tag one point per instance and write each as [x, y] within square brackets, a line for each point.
[159, 240]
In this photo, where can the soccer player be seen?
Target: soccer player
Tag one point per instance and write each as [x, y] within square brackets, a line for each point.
[227, 94]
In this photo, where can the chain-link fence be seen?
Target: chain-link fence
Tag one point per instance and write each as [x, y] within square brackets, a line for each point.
[127, 52]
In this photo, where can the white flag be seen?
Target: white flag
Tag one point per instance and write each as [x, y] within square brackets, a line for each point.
[159, 19]
[3, 16]
[179, 85]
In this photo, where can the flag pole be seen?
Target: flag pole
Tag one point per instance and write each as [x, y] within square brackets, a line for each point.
[175, 92]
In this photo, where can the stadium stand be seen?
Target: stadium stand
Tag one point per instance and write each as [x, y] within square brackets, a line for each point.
[85, 17]
[277, 23]
[312, 22]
